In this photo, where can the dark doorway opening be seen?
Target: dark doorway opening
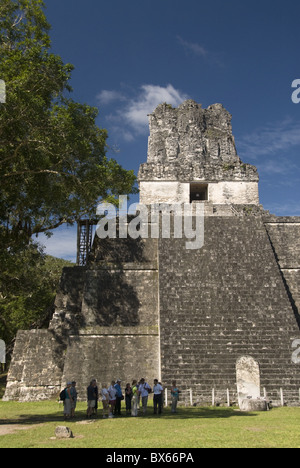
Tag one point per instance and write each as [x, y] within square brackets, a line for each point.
[198, 192]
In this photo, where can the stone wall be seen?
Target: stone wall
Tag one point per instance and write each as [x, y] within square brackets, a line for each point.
[219, 193]
[192, 144]
[36, 369]
[242, 193]
[285, 238]
[67, 317]
[105, 325]
[191, 132]
[190, 171]
[223, 302]
[37, 365]
[116, 355]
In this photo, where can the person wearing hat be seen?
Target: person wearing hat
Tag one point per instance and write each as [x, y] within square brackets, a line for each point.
[144, 390]
[119, 398]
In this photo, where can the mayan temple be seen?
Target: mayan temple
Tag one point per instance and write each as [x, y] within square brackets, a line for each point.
[153, 308]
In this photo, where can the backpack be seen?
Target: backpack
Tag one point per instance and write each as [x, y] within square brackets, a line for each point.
[62, 395]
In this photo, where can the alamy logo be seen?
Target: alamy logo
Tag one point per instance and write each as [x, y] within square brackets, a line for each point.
[2, 352]
[157, 220]
[296, 93]
[2, 92]
[296, 353]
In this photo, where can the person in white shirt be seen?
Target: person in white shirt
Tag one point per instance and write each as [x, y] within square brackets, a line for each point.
[157, 400]
[144, 390]
[112, 398]
[105, 401]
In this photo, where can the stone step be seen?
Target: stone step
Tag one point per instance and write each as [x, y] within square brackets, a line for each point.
[223, 302]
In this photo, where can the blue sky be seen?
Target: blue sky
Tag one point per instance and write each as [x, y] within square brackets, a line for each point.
[130, 56]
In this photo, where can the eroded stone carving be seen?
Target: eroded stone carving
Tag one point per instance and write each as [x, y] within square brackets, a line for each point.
[248, 379]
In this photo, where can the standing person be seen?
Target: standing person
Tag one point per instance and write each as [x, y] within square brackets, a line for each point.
[91, 398]
[105, 401]
[144, 390]
[157, 399]
[95, 409]
[112, 398]
[135, 399]
[68, 401]
[119, 397]
[175, 397]
[139, 395]
[162, 398]
[128, 398]
[74, 396]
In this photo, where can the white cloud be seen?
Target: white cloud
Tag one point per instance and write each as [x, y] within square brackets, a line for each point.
[193, 47]
[287, 208]
[149, 98]
[283, 166]
[131, 119]
[107, 97]
[274, 138]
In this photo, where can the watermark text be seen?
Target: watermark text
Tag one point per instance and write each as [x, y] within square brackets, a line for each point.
[2, 352]
[296, 93]
[153, 221]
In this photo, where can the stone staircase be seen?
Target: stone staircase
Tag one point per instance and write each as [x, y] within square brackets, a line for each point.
[222, 302]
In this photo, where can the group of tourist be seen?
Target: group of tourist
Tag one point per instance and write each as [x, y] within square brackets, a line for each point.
[112, 397]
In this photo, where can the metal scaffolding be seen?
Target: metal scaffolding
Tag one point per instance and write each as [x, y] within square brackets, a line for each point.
[84, 240]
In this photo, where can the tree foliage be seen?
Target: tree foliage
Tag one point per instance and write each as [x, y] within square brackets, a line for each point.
[53, 164]
[29, 283]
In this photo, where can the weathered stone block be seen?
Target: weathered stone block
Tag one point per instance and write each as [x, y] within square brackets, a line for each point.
[63, 432]
[250, 405]
[247, 379]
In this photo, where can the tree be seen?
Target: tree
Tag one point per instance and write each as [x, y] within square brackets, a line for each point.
[53, 164]
[29, 285]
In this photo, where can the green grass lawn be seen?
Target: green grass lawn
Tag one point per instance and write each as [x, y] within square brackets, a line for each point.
[32, 425]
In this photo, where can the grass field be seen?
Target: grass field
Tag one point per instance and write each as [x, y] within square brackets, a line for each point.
[32, 425]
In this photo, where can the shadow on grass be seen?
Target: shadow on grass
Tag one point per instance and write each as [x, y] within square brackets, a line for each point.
[183, 413]
[197, 413]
